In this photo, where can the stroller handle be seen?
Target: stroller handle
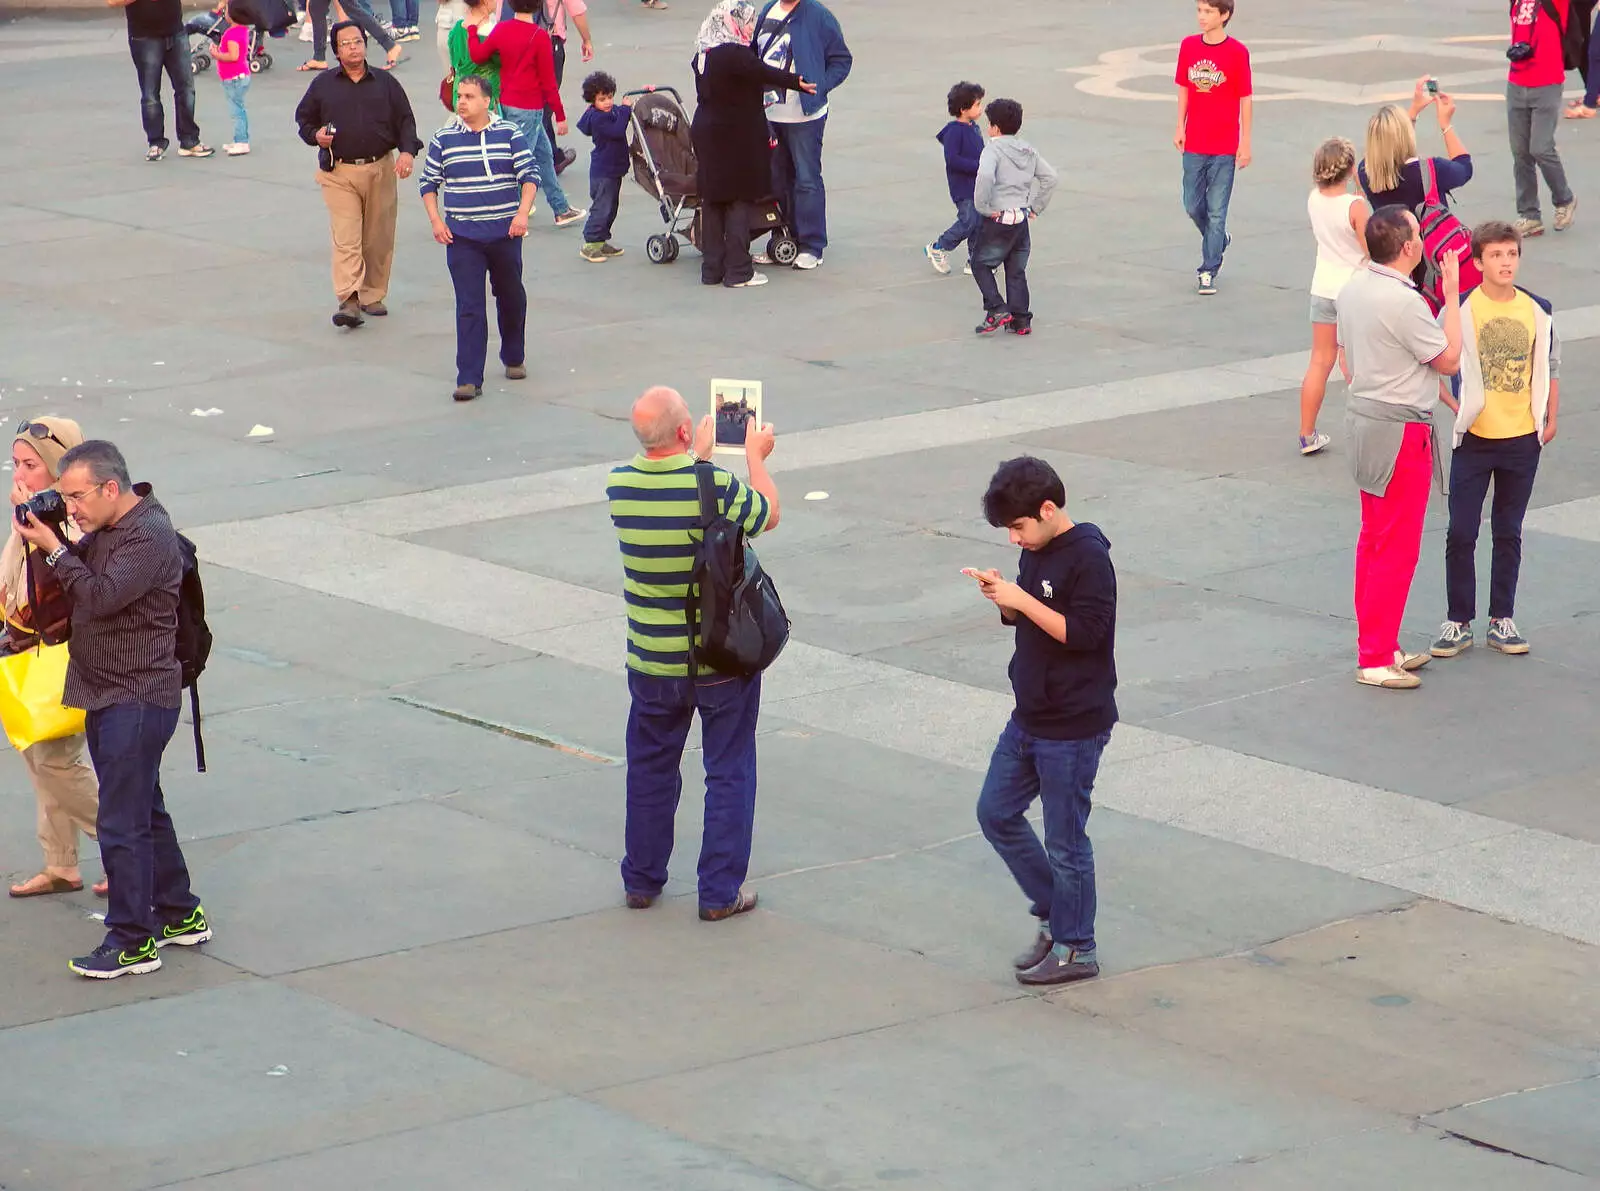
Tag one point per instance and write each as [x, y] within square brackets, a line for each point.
[672, 91]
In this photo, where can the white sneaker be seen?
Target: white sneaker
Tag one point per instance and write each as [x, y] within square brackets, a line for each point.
[1411, 661]
[1314, 442]
[755, 279]
[1390, 677]
[305, 31]
[967, 268]
[938, 258]
[807, 260]
[236, 150]
[761, 258]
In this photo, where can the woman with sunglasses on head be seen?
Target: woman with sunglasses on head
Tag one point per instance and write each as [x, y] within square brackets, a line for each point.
[65, 786]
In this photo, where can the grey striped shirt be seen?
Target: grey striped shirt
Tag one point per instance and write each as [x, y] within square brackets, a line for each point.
[123, 583]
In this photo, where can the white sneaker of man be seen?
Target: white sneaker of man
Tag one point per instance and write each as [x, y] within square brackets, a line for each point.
[807, 260]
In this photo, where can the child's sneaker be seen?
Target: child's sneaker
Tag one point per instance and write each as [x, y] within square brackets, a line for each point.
[1018, 327]
[967, 268]
[1311, 443]
[610, 250]
[1206, 284]
[1504, 638]
[593, 252]
[570, 215]
[992, 323]
[938, 258]
[236, 150]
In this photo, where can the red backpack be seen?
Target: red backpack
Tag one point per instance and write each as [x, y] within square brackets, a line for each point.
[1442, 232]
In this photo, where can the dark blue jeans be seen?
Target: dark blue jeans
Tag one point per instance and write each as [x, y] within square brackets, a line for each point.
[500, 260]
[964, 228]
[148, 876]
[797, 181]
[658, 727]
[404, 14]
[1207, 190]
[605, 196]
[1512, 463]
[1058, 877]
[152, 55]
[1006, 244]
[1591, 74]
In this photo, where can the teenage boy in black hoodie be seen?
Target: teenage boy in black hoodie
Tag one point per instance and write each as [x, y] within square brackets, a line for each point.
[1064, 674]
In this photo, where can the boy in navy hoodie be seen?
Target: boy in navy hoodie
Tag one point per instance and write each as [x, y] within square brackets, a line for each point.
[606, 122]
[1064, 675]
[963, 146]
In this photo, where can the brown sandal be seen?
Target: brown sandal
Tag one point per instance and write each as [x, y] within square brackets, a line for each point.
[313, 64]
[54, 884]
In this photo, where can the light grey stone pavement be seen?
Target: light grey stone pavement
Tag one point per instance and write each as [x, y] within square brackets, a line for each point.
[1350, 939]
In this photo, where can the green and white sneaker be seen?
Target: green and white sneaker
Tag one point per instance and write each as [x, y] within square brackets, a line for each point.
[108, 961]
[190, 932]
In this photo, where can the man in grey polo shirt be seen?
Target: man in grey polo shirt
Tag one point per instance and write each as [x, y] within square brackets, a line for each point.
[1396, 352]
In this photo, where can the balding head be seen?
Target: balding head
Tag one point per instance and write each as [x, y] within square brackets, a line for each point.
[661, 421]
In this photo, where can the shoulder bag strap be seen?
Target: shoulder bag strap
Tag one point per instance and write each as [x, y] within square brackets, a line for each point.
[705, 478]
[1430, 182]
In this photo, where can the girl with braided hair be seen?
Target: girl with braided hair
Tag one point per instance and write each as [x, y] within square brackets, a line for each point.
[1339, 222]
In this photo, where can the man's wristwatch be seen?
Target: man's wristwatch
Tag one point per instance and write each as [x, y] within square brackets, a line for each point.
[54, 556]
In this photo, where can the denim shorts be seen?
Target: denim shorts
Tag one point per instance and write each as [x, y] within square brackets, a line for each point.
[1324, 310]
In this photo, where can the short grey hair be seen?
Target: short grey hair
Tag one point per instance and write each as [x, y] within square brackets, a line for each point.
[102, 460]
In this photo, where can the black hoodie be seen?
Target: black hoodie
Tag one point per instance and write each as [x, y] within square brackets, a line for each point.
[1066, 692]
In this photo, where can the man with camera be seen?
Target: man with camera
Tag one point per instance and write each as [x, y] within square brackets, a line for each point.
[122, 581]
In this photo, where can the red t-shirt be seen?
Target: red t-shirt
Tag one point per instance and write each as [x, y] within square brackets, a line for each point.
[1531, 23]
[1217, 78]
[527, 65]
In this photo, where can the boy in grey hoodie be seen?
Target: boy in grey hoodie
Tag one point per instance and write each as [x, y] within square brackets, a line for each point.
[1014, 185]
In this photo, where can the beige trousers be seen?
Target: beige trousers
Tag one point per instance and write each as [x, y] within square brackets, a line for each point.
[362, 203]
[69, 797]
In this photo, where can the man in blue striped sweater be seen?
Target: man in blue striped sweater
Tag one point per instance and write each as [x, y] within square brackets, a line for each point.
[478, 185]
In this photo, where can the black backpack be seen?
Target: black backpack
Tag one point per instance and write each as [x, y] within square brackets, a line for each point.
[733, 606]
[544, 19]
[194, 638]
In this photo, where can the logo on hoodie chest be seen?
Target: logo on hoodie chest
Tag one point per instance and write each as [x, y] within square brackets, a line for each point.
[1045, 589]
[1205, 75]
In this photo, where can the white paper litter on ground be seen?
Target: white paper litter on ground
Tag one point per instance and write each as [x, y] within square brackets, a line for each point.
[260, 431]
[204, 413]
[816, 496]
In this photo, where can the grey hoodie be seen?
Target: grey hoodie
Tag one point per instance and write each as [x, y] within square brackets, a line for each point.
[1011, 174]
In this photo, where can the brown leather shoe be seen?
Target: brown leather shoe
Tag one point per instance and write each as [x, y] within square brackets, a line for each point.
[348, 314]
[744, 903]
[376, 309]
[1042, 942]
[467, 392]
[516, 372]
[1061, 969]
[641, 901]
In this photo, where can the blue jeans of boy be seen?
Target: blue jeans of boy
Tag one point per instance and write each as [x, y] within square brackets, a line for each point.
[233, 90]
[605, 196]
[470, 262]
[1207, 190]
[797, 181]
[1057, 877]
[1512, 463]
[658, 727]
[531, 122]
[138, 846]
[964, 228]
[151, 56]
[1008, 245]
[403, 14]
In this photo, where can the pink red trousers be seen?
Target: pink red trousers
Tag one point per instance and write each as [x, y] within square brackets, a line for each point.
[1387, 550]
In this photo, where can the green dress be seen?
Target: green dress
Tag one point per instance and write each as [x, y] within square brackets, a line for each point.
[462, 65]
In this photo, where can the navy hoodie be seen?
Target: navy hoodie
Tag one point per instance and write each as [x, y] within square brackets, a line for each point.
[609, 131]
[1067, 692]
[963, 145]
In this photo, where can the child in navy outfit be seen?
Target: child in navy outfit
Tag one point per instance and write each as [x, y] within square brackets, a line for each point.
[606, 122]
[963, 146]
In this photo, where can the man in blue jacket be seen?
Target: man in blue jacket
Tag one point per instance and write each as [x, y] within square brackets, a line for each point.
[804, 37]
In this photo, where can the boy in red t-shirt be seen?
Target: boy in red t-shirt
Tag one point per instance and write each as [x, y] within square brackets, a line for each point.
[1533, 109]
[1214, 115]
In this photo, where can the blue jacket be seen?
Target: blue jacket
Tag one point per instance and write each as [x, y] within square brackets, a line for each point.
[816, 42]
[609, 131]
[963, 146]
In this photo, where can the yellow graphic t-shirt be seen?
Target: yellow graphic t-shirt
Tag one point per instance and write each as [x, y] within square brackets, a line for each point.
[1505, 352]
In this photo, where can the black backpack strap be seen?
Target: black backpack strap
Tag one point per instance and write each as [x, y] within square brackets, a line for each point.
[194, 714]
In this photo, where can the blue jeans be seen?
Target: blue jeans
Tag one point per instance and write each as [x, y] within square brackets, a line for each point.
[404, 13]
[605, 196]
[964, 228]
[358, 11]
[1207, 189]
[658, 727]
[531, 122]
[152, 55]
[1057, 878]
[797, 181]
[234, 90]
[148, 876]
[1007, 244]
[1591, 74]
[1512, 463]
[470, 261]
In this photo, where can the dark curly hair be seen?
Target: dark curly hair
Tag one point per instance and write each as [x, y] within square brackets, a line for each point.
[1019, 489]
[1006, 115]
[962, 96]
[597, 84]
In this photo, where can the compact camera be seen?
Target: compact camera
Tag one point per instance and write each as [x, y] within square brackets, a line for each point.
[1519, 51]
[47, 508]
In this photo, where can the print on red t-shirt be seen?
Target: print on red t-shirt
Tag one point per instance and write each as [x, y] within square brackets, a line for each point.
[1217, 78]
[1531, 23]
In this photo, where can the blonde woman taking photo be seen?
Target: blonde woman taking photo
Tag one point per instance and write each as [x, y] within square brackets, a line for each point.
[64, 785]
[1391, 172]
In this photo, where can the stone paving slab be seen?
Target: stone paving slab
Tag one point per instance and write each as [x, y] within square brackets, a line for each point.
[1551, 1125]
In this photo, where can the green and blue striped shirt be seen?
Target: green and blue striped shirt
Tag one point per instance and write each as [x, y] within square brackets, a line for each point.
[655, 506]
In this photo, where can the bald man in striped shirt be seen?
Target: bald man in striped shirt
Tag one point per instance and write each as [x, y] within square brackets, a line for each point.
[655, 507]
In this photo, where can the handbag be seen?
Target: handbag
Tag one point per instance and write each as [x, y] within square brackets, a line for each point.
[31, 683]
[447, 91]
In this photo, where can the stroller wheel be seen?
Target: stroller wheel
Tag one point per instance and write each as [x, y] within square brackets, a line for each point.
[256, 66]
[658, 252]
[672, 249]
[783, 250]
[200, 63]
[266, 63]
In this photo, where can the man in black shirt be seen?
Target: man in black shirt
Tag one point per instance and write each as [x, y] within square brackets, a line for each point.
[122, 581]
[359, 117]
[156, 41]
[1064, 675]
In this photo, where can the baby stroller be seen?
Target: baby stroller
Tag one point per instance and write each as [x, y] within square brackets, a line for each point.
[663, 159]
[271, 16]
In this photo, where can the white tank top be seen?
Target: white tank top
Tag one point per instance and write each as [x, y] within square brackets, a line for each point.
[1339, 253]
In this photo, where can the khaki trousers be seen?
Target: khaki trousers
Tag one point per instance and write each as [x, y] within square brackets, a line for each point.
[69, 797]
[362, 203]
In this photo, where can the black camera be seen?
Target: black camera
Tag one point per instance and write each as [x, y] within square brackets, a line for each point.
[1519, 51]
[47, 508]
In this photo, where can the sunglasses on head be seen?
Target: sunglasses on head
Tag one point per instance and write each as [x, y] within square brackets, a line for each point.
[40, 430]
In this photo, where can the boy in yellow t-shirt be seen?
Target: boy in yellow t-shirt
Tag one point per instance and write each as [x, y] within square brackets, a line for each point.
[1508, 390]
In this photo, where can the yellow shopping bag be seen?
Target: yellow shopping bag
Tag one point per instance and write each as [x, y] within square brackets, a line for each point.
[31, 683]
